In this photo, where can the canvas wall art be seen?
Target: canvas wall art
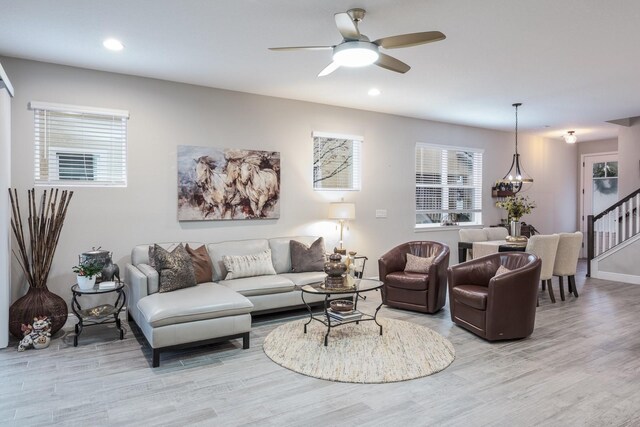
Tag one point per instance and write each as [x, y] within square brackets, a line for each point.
[227, 184]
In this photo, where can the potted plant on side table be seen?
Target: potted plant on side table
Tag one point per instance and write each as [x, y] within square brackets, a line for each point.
[87, 272]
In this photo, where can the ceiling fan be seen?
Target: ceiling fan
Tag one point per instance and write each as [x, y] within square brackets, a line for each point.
[356, 50]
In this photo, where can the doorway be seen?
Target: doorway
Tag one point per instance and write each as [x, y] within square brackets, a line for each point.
[599, 187]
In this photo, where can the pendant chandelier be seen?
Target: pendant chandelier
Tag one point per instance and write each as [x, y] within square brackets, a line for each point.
[516, 175]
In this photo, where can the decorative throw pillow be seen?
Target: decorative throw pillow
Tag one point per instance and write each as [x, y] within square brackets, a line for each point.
[418, 264]
[202, 267]
[248, 265]
[152, 255]
[501, 270]
[175, 268]
[305, 258]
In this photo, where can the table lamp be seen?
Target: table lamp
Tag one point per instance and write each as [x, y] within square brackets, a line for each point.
[342, 212]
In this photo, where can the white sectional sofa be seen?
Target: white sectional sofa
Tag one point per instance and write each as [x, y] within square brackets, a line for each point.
[217, 310]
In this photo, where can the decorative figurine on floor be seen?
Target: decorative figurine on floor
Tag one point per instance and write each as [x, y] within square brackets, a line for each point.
[36, 335]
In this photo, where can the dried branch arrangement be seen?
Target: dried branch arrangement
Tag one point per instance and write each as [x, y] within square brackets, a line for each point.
[45, 224]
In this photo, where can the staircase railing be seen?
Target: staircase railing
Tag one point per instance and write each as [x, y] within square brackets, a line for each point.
[612, 226]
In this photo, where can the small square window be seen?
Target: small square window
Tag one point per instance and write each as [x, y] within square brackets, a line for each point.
[77, 145]
[336, 162]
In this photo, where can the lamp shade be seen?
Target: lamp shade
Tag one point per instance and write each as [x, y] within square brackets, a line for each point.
[341, 210]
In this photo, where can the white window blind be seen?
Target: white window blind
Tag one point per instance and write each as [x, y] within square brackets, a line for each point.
[448, 185]
[336, 162]
[79, 146]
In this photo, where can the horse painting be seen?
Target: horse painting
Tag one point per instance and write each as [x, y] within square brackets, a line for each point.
[224, 184]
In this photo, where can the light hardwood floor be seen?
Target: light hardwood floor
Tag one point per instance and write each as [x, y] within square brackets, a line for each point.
[581, 366]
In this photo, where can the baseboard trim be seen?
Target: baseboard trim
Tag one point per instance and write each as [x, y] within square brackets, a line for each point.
[615, 277]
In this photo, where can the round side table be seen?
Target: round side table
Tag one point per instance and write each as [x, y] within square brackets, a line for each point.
[98, 315]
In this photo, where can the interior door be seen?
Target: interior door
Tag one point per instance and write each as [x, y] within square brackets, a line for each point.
[599, 186]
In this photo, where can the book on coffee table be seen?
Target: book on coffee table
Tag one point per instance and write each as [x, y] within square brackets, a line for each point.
[345, 315]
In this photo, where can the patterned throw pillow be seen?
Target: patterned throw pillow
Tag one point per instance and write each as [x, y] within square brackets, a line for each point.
[175, 268]
[201, 263]
[152, 256]
[417, 264]
[305, 258]
[239, 266]
[501, 270]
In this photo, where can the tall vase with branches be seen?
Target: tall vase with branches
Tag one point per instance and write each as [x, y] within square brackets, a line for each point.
[35, 257]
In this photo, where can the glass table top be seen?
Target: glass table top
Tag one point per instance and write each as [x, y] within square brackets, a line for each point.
[350, 285]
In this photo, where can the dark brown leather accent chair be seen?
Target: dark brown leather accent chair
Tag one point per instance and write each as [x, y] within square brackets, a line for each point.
[425, 293]
[495, 308]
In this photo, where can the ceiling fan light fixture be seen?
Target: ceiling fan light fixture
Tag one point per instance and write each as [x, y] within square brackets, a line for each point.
[570, 137]
[355, 54]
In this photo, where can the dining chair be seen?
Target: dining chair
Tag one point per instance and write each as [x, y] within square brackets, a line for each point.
[496, 233]
[566, 262]
[545, 247]
[471, 235]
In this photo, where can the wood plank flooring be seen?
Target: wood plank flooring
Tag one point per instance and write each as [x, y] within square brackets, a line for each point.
[581, 366]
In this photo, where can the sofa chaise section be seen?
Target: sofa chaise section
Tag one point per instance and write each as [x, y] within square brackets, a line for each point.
[220, 309]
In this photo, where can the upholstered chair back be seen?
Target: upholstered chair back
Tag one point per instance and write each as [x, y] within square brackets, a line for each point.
[569, 247]
[472, 235]
[496, 233]
[545, 247]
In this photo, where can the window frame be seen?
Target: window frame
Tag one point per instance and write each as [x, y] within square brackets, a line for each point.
[114, 144]
[444, 184]
[356, 148]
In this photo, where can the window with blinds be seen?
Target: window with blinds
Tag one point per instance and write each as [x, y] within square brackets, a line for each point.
[79, 146]
[448, 185]
[336, 162]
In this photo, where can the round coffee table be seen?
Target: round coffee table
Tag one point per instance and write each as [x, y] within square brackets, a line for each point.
[352, 288]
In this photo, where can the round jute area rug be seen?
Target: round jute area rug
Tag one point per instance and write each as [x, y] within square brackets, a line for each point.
[357, 353]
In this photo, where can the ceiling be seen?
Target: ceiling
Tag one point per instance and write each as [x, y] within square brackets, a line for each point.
[572, 63]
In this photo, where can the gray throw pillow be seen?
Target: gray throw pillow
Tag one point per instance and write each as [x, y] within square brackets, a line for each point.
[305, 258]
[417, 264]
[175, 268]
[501, 270]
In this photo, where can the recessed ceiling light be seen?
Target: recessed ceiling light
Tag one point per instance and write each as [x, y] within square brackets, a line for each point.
[113, 44]
[374, 91]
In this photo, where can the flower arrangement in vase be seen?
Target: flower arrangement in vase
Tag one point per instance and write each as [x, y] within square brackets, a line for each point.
[516, 207]
[87, 272]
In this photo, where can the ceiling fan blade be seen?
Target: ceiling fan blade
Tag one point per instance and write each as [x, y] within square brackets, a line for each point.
[390, 63]
[346, 26]
[329, 69]
[302, 48]
[407, 40]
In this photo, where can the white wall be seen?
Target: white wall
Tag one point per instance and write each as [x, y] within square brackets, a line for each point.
[629, 158]
[5, 182]
[166, 114]
[599, 146]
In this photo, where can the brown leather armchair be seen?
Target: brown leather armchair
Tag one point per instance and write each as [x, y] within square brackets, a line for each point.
[495, 308]
[425, 293]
